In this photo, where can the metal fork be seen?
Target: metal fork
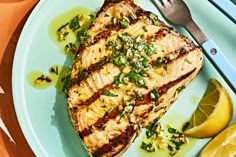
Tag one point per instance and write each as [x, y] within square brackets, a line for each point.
[177, 12]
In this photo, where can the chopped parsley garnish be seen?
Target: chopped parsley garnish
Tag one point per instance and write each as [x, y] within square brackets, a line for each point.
[128, 109]
[110, 110]
[121, 61]
[154, 19]
[83, 36]
[108, 93]
[92, 16]
[83, 74]
[155, 95]
[186, 125]
[157, 64]
[127, 50]
[145, 28]
[149, 49]
[63, 32]
[151, 128]
[179, 89]
[66, 82]
[124, 22]
[63, 26]
[133, 16]
[74, 23]
[165, 67]
[106, 15]
[150, 147]
[136, 78]
[177, 139]
[138, 96]
[71, 48]
[172, 130]
[119, 79]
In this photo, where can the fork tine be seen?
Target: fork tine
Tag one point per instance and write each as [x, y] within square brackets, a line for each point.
[165, 2]
[159, 6]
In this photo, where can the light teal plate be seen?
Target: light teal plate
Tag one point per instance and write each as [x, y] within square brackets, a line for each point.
[43, 115]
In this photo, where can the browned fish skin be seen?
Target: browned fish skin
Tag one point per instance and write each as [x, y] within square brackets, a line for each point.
[108, 117]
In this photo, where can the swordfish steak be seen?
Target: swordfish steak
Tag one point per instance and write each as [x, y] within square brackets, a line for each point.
[125, 75]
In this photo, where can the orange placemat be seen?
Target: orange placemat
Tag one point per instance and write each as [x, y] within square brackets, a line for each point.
[11, 14]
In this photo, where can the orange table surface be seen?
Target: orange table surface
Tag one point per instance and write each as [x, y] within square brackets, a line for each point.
[13, 15]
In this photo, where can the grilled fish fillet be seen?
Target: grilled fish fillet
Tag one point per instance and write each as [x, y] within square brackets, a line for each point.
[128, 73]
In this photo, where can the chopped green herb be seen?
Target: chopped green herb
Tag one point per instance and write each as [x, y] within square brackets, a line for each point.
[62, 34]
[165, 67]
[83, 36]
[110, 110]
[71, 48]
[179, 89]
[124, 23]
[121, 61]
[74, 23]
[177, 139]
[66, 82]
[171, 148]
[145, 29]
[155, 95]
[108, 93]
[119, 79]
[157, 64]
[63, 26]
[114, 21]
[121, 115]
[151, 128]
[83, 74]
[106, 15]
[127, 110]
[172, 130]
[149, 48]
[92, 16]
[56, 71]
[186, 125]
[148, 147]
[154, 19]
[125, 38]
[139, 96]
[111, 43]
[133, 16]
[136, 78]
[138, 64]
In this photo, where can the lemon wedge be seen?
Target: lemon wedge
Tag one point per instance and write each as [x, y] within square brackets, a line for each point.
[224, 144]
[213, 113]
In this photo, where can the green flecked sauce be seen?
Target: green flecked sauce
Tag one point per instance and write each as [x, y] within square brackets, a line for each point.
[66, 17]
[53, 78]
[46, 79]
[165, 152]
[177, 120]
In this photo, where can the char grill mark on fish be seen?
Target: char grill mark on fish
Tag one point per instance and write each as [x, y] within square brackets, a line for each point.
[122, 139]
[97, 66]
[146, 100]
[178, 53]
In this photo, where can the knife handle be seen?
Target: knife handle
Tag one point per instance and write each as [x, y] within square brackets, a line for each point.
[220, 62]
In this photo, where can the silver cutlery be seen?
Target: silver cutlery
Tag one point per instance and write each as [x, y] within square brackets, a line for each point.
[177, 12]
